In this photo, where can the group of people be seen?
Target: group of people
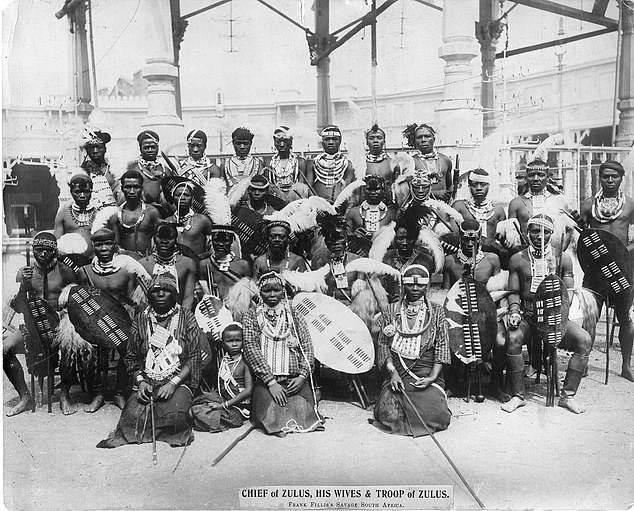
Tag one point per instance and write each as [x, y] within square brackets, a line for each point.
[188, 268]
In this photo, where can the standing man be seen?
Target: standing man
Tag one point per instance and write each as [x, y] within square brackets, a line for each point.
[479, 207]
[331, 171]
[527, 269]
[136, 220]
[78, 215]
[422, 137]
[106, 189]
[538, 197]
[278, 257]
[481, 266]
[611, 210]
[193, 228]
[373, 213]
[151, 169]
[44, 280]
[167, 259]
[378, 163]
[103, 273]
[197, 167]
[242, 165]
[285, 168]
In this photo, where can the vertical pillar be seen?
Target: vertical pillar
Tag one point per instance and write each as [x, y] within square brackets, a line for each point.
[161, 73]
[81, 67]
[322, 30]
[625, 105]
[488, 31]
[459, 116]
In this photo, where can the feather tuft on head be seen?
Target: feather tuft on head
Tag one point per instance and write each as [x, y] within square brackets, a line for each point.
[404, 163]
[437, 205]
[346, 194]
[102, 218]
[309, 281]
[541, 151]
[237, 192]
[72, 243]
[429, 241]
[216, 201]
[371, 267]
[382, 241]
[241, 297]
[508, 231]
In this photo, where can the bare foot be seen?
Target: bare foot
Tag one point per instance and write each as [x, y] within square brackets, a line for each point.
[65, 405]
[24, 404]
[570, 403]
[626, 372]
[119, 401]
[498, 394]
[513, 404]
[95, 404]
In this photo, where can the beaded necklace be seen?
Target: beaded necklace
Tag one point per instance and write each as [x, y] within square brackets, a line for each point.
[606, 209]
[184, 223]
[541, 265]
[372, 214]
[238, 168]
[330, 168]
[83, 217]
[138, 221]
[482, 212]
[283, 176]
[375, 158]
[104, 269]
[148, 169]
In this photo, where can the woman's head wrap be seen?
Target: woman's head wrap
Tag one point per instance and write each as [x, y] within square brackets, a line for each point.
[613, 165]
[283, 132]
[147, 135]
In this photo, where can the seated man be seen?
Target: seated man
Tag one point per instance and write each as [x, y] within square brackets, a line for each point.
[257, 196]
[373, 213]
[43, 281]
[163, 358]
[527, 269]
[278, 257]
[278, 348]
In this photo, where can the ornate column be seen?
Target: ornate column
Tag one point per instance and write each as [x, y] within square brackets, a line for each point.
[161, 73]
[625, 105]
[488, 30]
[459, 115]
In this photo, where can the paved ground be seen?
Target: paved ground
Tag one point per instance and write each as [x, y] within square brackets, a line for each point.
[537, 457]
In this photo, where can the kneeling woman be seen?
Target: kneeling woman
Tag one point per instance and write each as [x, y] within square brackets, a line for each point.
[278, 348]
[164, 359]
[413, 346]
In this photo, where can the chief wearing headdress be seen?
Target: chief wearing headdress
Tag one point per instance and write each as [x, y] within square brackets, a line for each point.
[613, 211]
[167, 258]
[373, 213]
[413, 347]
[527, 269]
[242, 165]
[37, 298]
[193, 227]
[197, 167]
[221, 267]
[78, 215]
[428, 161]
[285, 170]
[479, 206]
[163, 359]
[278, 348]
[540, 197]
[330, 171]
[149, 166]
[377, 161]
[106, 189]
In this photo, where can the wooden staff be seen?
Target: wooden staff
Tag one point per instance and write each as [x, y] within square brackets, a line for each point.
[154, 460]
[607, 337]
[232, 445]
[28, 263]
[453, 465]
[456, 177]
[169, 163]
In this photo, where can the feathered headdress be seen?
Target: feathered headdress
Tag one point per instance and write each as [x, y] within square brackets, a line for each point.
[429, 241]
[71, 243]
[241, 297]
[403, 163]
[346, 194]
[541, 151]
[237, 192]
[382, 241]
[309, 281]
[371, 267]
[301, 214]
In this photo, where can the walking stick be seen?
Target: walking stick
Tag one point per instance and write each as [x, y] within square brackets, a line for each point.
[453, 465]
[154, 460]
[232, 445]
[28, 263]
[607, 337]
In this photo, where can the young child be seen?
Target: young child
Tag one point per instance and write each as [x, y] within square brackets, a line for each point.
[231, 404]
